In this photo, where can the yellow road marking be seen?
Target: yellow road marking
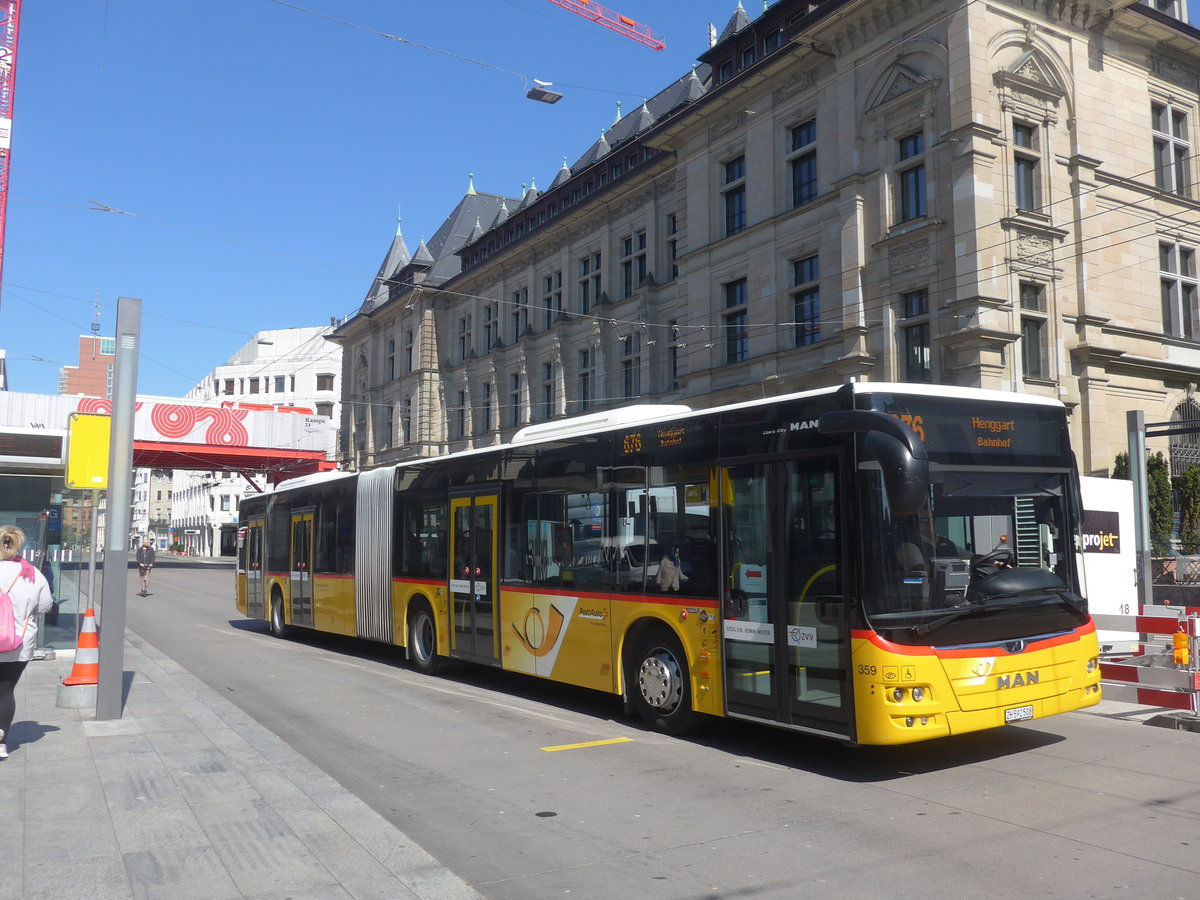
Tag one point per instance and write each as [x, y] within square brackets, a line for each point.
[588, 744]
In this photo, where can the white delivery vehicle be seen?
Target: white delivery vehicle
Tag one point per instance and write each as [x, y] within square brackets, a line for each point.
[1110, 556]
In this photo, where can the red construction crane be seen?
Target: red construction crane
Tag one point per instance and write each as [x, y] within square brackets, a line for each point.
[10, 17]
[617, 22]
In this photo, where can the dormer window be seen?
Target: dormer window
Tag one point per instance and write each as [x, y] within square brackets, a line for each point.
[1166, 7]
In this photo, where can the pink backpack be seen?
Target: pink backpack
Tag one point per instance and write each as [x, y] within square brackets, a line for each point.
[10, 638]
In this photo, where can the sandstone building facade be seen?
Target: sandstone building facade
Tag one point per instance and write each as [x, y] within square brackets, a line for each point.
[986, 193]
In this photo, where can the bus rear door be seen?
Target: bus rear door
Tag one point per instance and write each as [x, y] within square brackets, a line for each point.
[785, 624]
[473, 595]
[302, 591]
[253, 551]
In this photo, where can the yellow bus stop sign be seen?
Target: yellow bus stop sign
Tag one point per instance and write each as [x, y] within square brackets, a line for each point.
[87, 451]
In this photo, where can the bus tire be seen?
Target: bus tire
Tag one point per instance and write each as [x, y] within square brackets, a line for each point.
[658, 683]
[422, 639]
[275, 622]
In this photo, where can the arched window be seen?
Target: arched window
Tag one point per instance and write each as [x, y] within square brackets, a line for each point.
[1185, 448]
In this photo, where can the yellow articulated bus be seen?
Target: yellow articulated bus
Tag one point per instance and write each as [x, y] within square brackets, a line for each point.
[876, 563]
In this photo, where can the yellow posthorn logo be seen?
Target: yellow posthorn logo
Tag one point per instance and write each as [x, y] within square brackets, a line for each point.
[537, 639]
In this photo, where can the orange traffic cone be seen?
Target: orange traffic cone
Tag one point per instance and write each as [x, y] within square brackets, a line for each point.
[87, 656]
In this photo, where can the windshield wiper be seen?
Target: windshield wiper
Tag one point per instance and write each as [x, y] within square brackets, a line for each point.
[926, 627]
[1068, 599]
[989, 605]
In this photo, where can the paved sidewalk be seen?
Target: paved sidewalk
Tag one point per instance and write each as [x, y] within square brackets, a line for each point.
[185, 796]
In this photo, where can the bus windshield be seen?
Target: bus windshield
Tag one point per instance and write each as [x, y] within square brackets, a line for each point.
[990, 557]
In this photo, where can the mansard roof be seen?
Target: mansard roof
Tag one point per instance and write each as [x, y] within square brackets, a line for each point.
[422, 257]
[437, 257]
[397, 257]
[501, 215]
[529, 196]
[594, 154]
[452, 236]
[739, 20]
[563, 176]
[458, 230]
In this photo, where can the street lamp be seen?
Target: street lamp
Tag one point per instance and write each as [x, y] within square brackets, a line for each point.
[542, 92]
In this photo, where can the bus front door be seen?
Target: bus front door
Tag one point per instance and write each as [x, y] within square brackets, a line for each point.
[302, 589]
[253, 550]
[786, 631]
[473, 577]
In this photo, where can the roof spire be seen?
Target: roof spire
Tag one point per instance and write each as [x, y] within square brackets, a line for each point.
[618, 117]
[471, 183]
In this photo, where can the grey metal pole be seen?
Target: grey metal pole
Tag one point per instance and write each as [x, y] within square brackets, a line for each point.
[110, 689]
[1136, 425]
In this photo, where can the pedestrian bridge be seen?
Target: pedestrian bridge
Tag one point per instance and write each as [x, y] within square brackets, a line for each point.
[279, 442]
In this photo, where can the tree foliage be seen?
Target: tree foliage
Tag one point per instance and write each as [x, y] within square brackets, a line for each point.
[1162, 507]
[1121, 466]
[1189, 510]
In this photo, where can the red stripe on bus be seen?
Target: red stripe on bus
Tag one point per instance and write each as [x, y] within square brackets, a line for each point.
[968, 652]
[646, 599]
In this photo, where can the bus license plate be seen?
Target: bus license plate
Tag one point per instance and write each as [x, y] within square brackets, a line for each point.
[1018, 714]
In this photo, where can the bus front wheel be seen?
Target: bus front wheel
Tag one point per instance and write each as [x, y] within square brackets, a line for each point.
[422, 639]
[658, 683]
[278, 628]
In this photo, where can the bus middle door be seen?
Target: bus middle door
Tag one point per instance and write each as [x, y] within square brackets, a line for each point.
[786, 632]
[473, 595]
[301, 580]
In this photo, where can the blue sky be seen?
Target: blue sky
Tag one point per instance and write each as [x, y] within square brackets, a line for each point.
[253, 157]
[238, 164]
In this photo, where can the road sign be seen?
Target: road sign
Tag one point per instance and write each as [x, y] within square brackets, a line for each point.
[87, 451]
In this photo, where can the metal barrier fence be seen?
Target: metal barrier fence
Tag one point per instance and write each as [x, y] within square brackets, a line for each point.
[1152, 677]
[1175, 570]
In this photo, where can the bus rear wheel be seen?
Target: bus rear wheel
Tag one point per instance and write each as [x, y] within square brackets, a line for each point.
[422, 639]
[658, 683]
[278, 628]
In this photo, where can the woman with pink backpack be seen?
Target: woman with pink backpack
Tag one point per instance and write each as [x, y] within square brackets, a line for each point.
[24, 595]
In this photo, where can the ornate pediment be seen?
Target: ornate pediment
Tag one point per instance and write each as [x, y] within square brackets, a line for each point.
[899, 81]
[1030, 83]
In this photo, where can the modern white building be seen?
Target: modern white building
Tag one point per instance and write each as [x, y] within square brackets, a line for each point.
[288, 367]
[151, 516]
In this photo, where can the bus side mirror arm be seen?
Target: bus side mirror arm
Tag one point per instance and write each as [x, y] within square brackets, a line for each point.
[900, 453]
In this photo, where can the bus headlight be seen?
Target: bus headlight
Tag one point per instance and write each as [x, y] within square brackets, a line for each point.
[898, 694]
[918, 694]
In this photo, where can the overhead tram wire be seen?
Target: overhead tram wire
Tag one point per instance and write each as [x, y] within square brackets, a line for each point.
[97, 206]
[527, 79]
[867, 307]
[877, 306]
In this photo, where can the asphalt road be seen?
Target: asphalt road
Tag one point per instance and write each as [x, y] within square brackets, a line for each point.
[480, 769]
